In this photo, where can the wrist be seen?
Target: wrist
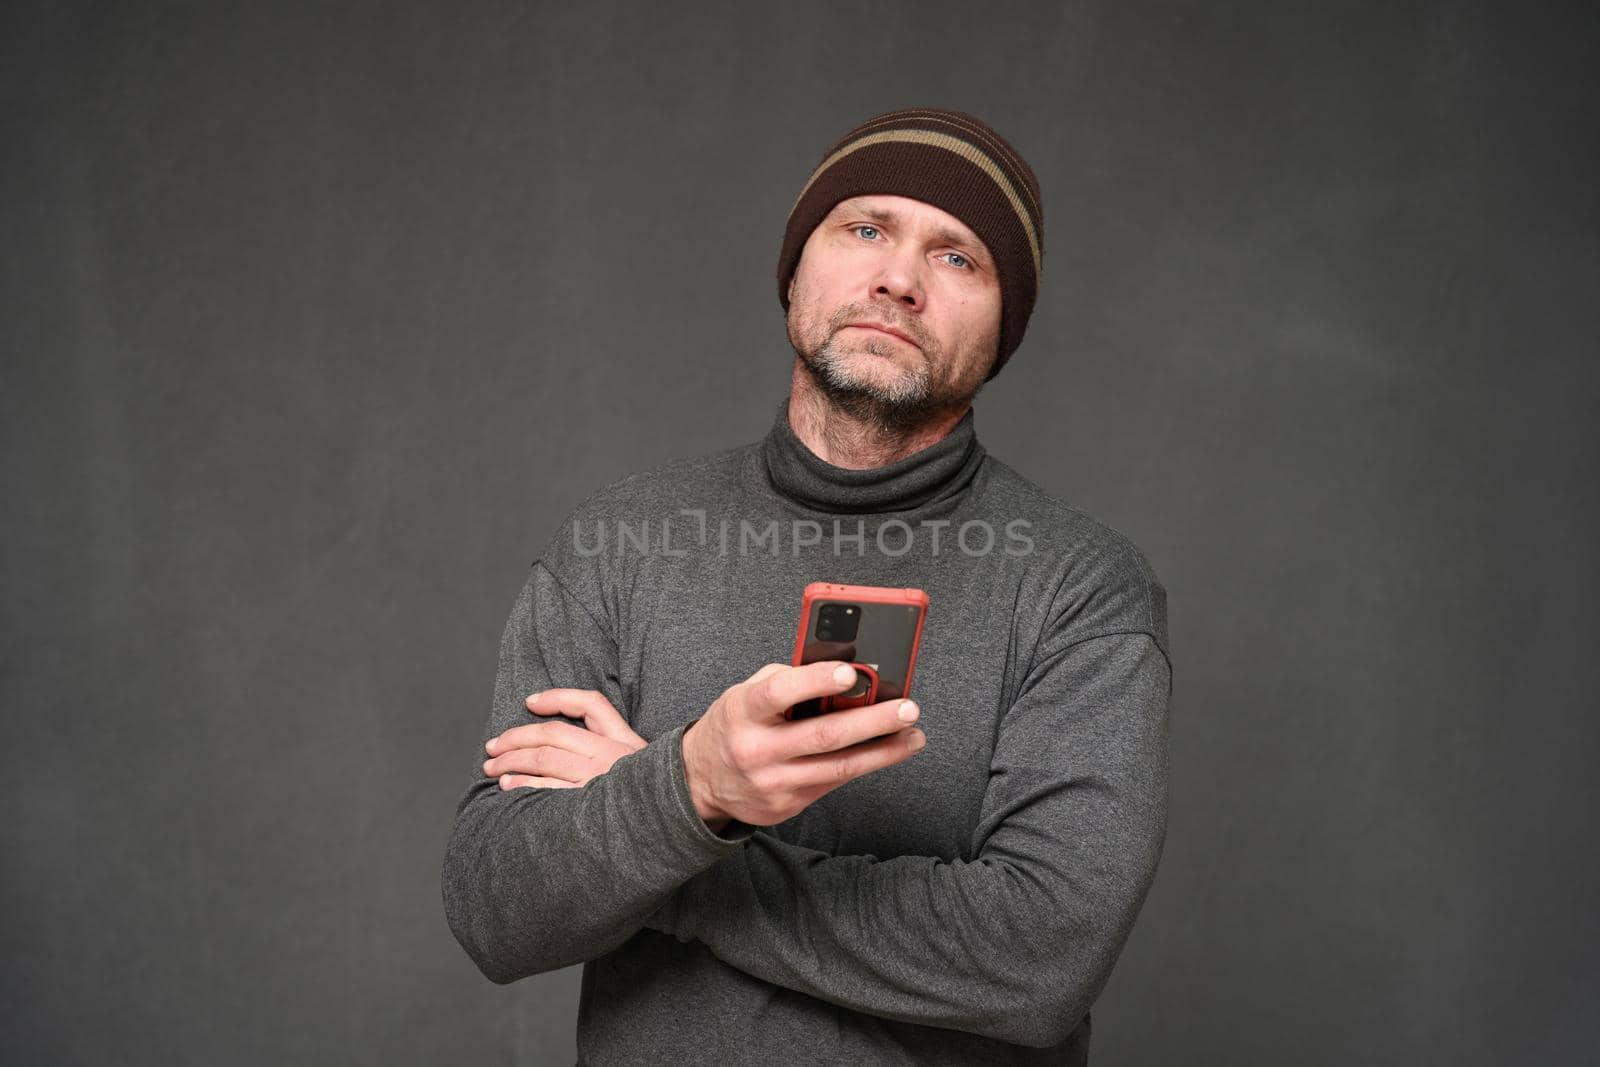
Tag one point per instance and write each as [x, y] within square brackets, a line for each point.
[714, 817]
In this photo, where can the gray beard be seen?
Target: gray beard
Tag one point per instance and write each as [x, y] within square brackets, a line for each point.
[897, 408]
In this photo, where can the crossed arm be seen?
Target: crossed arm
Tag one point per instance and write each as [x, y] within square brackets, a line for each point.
[539, 879]
[1015, 944]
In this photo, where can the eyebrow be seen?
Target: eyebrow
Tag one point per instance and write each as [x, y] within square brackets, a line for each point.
[943, 233]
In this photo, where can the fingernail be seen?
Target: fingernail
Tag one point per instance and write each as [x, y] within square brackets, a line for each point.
[489, 746]
[844, 673]
[534, 697]
[917, 740]
[908, 711]
[486, 769]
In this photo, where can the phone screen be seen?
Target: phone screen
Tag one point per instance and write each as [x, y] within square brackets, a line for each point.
[859, 630]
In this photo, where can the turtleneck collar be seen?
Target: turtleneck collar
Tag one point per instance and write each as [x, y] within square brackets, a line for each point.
[941, 470]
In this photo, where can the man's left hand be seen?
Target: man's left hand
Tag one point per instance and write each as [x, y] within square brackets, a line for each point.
[559, 755]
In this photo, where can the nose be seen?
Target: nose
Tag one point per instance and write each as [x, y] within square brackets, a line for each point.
[899, 278]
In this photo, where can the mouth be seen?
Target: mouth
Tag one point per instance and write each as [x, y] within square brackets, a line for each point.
[881, 329]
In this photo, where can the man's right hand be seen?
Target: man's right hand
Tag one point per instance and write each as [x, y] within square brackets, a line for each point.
[746, 761]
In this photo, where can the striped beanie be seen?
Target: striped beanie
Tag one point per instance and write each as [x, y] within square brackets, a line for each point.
[954, 162]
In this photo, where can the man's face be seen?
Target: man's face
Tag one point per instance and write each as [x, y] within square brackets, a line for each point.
[915, 269]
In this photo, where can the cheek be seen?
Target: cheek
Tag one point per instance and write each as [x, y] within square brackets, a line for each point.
[985, 318]
[815, 299]
[973, 318]
[808, 313]
[975, 324]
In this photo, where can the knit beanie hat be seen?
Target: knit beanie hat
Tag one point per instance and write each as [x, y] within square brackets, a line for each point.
[954, 162]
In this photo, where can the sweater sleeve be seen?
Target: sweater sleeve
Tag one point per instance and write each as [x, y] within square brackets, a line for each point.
[538, 879]
[1017, 943]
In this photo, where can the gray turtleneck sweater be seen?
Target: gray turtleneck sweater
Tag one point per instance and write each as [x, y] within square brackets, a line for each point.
[964, 906]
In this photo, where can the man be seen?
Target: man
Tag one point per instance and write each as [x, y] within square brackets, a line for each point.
[844, 888]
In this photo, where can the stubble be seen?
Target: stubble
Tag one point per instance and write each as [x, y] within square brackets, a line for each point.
[912, 396]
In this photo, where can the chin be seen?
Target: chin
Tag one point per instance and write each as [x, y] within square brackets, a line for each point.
[871, 371]
[892, 389]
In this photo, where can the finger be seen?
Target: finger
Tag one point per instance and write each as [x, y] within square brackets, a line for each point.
[765, 672]
[520, 781]
[546, 761]
[833, 769]
[556, 735]
[590, 705]
[623, 734]
[767, 699]
[841, 729]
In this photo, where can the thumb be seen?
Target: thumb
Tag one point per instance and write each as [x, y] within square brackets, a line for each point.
[766, 671]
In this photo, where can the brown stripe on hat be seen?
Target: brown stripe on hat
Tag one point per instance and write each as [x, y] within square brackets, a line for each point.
[961, 148]
[956, 163]
[969, 126]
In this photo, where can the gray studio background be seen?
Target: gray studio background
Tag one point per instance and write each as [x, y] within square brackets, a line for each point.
[318, 318]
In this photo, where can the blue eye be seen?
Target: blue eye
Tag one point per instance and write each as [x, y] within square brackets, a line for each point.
[864, 226]
[964, 261]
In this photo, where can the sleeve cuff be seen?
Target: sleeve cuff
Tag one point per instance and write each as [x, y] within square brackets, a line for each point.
[732, 835]
[668, 826]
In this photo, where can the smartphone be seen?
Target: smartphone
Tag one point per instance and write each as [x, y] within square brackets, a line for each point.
[876, 629]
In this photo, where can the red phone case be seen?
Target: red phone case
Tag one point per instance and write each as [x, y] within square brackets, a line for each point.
[877, 682]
